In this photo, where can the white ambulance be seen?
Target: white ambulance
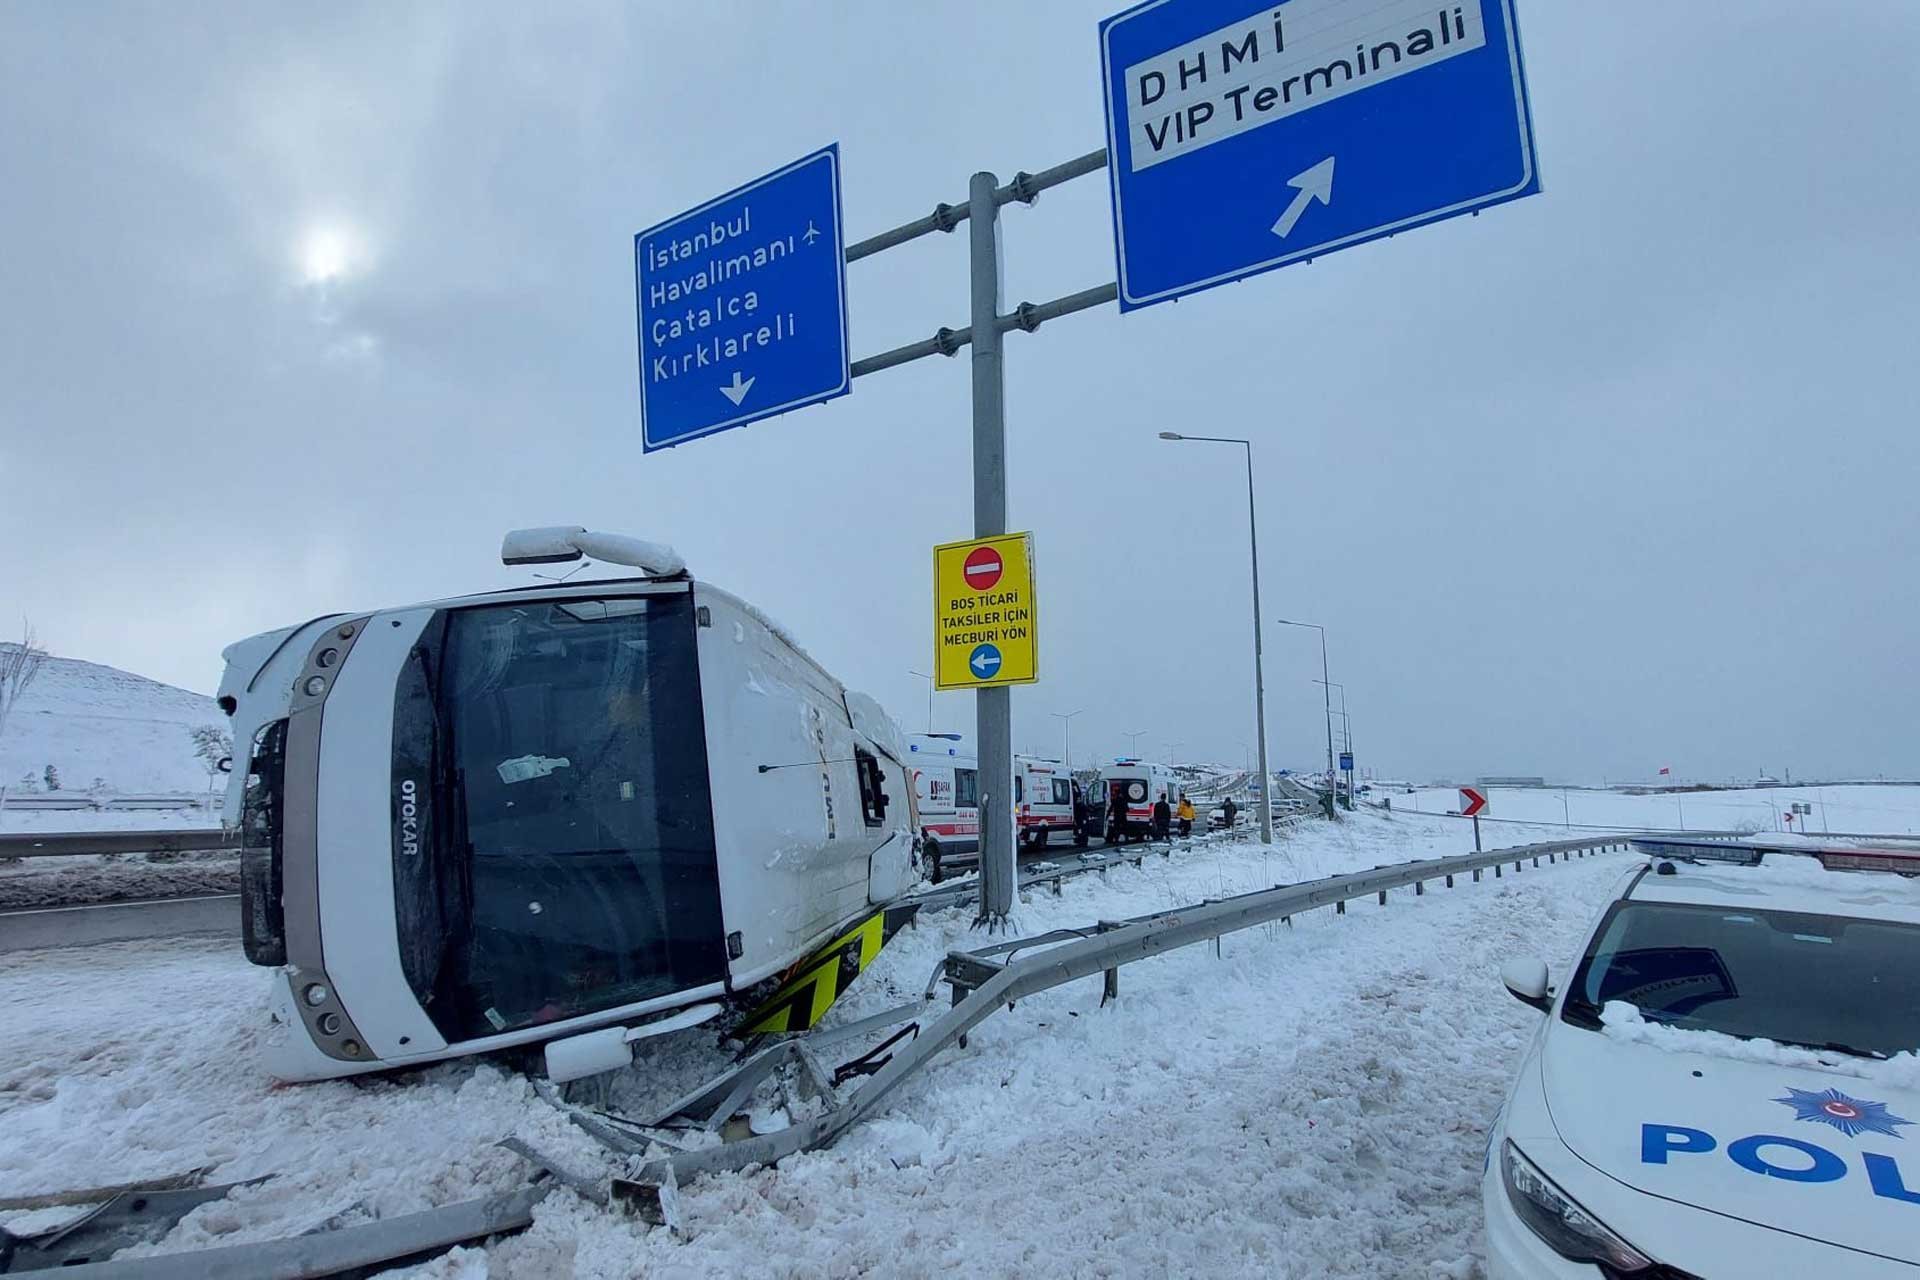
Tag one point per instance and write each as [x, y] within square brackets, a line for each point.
[946, 787]
[1131, 787]
[1043, 800]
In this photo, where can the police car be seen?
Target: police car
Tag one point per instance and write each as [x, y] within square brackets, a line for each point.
[1727, 1084]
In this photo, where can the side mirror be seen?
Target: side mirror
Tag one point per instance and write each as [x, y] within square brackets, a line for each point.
[1526, 978]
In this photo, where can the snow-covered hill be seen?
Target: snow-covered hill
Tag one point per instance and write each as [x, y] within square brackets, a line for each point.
[90, 721]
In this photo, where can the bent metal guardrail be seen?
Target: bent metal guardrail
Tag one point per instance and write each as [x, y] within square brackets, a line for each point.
[982, 984]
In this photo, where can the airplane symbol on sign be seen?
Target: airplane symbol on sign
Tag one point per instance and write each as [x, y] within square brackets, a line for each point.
[812, 232]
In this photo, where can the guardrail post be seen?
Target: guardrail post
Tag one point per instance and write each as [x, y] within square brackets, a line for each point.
[1496, 871]
[1476, 875]
[1419, 888]
[1340, 907]
[1383, 897]
[1110, 988]
[1449, 882]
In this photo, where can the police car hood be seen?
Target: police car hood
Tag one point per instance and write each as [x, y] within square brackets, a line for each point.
[1783, 1138]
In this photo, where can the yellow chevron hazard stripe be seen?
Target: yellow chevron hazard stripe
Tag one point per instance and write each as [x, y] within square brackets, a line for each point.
[804, 999]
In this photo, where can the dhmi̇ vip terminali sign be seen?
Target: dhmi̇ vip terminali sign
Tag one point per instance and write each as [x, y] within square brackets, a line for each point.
[1244, 138]
[743, 305]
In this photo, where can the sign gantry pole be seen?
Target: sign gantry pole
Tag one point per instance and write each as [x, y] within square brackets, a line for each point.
[993, 707]
[1215, 175]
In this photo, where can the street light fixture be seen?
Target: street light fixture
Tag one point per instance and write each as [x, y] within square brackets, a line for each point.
[1346, 738]
[1133, 740]
[1326, 697]
[1259, 674]
[1067, 717]
[929, 679]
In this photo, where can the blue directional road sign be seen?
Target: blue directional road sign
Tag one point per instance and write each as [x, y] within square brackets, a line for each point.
[1242, 137]
[743, 305]
[984, 661]
[1346, 762]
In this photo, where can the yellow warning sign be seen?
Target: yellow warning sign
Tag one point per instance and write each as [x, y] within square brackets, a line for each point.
[985, 628]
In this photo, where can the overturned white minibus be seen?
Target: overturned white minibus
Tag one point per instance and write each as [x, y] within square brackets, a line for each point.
[502, 819]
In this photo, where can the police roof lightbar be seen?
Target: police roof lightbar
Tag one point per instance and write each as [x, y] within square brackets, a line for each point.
[1748, 853]
[554, 544]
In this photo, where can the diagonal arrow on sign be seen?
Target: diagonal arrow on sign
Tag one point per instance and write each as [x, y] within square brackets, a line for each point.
[1314, 184]
[738, 391]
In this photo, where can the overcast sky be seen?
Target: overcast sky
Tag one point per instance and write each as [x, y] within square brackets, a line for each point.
[302, 306]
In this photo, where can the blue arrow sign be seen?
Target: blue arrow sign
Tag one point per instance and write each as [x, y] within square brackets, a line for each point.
[742, 305]
[984, 661]
[1244, 137]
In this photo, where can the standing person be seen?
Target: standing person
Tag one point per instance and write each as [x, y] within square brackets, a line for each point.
[1162, 817]
[1232, 810]
[1186, 816]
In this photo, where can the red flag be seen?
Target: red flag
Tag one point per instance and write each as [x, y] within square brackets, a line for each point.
[1664, 771]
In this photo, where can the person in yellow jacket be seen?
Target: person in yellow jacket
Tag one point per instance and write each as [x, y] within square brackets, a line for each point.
[1186, 815]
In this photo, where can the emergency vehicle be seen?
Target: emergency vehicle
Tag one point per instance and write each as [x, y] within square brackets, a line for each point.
[1043, 800]
[1726, 1084]
[946, 788]
[1132, 786]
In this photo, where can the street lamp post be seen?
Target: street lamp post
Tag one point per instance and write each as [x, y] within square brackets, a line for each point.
[1326, 694]
[1259, 674]
[929, 679]
[1133, 740]
[1346, 732]
[1066, 717]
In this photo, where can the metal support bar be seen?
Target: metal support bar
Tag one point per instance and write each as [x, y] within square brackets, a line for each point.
[1026, 186]
[945, 217]
[1027, 317]
[356, 1250]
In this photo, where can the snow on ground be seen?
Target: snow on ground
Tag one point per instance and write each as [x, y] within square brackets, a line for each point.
[1311, 1103]
[97, 722]
[1871, 809]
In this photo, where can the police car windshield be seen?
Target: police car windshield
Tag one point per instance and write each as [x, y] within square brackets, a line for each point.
[1824, 981]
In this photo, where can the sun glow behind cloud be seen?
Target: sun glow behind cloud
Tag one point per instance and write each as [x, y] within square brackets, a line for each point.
[327, 252]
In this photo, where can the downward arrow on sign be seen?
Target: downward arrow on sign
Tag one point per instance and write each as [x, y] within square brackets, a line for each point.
[738, 391]
[1315, 184]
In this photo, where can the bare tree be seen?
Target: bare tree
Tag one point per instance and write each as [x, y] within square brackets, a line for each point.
[19, 664]
[214, 746]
